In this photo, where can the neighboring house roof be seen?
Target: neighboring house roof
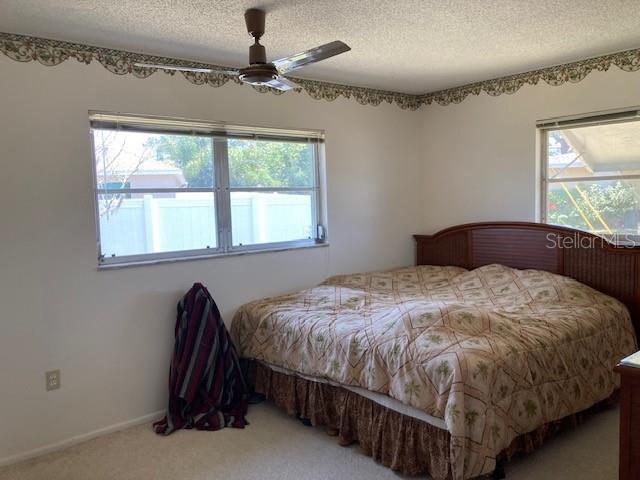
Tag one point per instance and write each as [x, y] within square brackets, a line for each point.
[564, 160]
[607, 147]
[136, 165]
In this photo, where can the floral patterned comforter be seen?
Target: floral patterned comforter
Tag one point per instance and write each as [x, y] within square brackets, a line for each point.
[496, 352]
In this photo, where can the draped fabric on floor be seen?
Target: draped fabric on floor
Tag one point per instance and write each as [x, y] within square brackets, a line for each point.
[207, 390]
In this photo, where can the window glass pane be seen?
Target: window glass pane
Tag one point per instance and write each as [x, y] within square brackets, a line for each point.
[133, 224]
[254, 163]
[259, 217]
[595, 150]
[604, 207]
[149, 160]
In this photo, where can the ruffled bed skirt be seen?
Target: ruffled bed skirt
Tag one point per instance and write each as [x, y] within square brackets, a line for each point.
[400, 442]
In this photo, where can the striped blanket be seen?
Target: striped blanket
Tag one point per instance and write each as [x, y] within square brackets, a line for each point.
[206, 388]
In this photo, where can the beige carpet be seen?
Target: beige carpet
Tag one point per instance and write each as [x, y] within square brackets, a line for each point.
[279, 447]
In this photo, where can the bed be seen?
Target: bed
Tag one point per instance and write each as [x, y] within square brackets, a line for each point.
[499, 333]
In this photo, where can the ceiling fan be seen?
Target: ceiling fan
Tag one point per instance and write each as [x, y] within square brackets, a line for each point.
[259, 71]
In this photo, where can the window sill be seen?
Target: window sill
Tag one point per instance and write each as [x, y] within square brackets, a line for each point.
[155, 261]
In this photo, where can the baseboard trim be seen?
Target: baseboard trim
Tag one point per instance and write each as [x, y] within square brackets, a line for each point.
[53, 447]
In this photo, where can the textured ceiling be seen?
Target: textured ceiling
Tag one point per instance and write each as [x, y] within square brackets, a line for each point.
[414, 46]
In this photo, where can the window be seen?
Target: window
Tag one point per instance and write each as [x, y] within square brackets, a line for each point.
[591, 174]
[168, 188]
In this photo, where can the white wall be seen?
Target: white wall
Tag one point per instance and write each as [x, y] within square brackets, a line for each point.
[480, 155]
[391, 173]
[110, 332]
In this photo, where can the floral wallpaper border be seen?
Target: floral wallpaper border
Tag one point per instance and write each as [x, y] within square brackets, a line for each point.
[574, 72]
[53, 52]
[24, 48]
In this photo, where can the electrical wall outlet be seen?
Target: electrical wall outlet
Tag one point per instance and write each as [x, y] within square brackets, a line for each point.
[53, 379]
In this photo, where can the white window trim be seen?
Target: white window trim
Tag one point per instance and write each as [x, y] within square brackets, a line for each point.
[219, 132]
[205, 255]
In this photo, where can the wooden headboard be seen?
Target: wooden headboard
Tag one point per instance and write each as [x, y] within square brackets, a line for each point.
[588, 258]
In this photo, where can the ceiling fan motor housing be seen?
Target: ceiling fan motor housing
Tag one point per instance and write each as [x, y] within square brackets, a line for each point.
[259, 73]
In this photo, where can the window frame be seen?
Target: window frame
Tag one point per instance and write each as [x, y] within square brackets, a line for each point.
[570, 122]
[220, 133]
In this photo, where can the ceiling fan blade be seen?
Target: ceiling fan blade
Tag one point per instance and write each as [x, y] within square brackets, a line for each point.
[178, 68]
[281, 83]
[292, 62]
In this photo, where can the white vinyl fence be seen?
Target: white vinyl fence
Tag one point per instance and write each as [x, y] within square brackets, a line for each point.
[187, 222]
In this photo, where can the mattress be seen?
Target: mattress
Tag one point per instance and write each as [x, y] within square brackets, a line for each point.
[492, 353]
[379, 398]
